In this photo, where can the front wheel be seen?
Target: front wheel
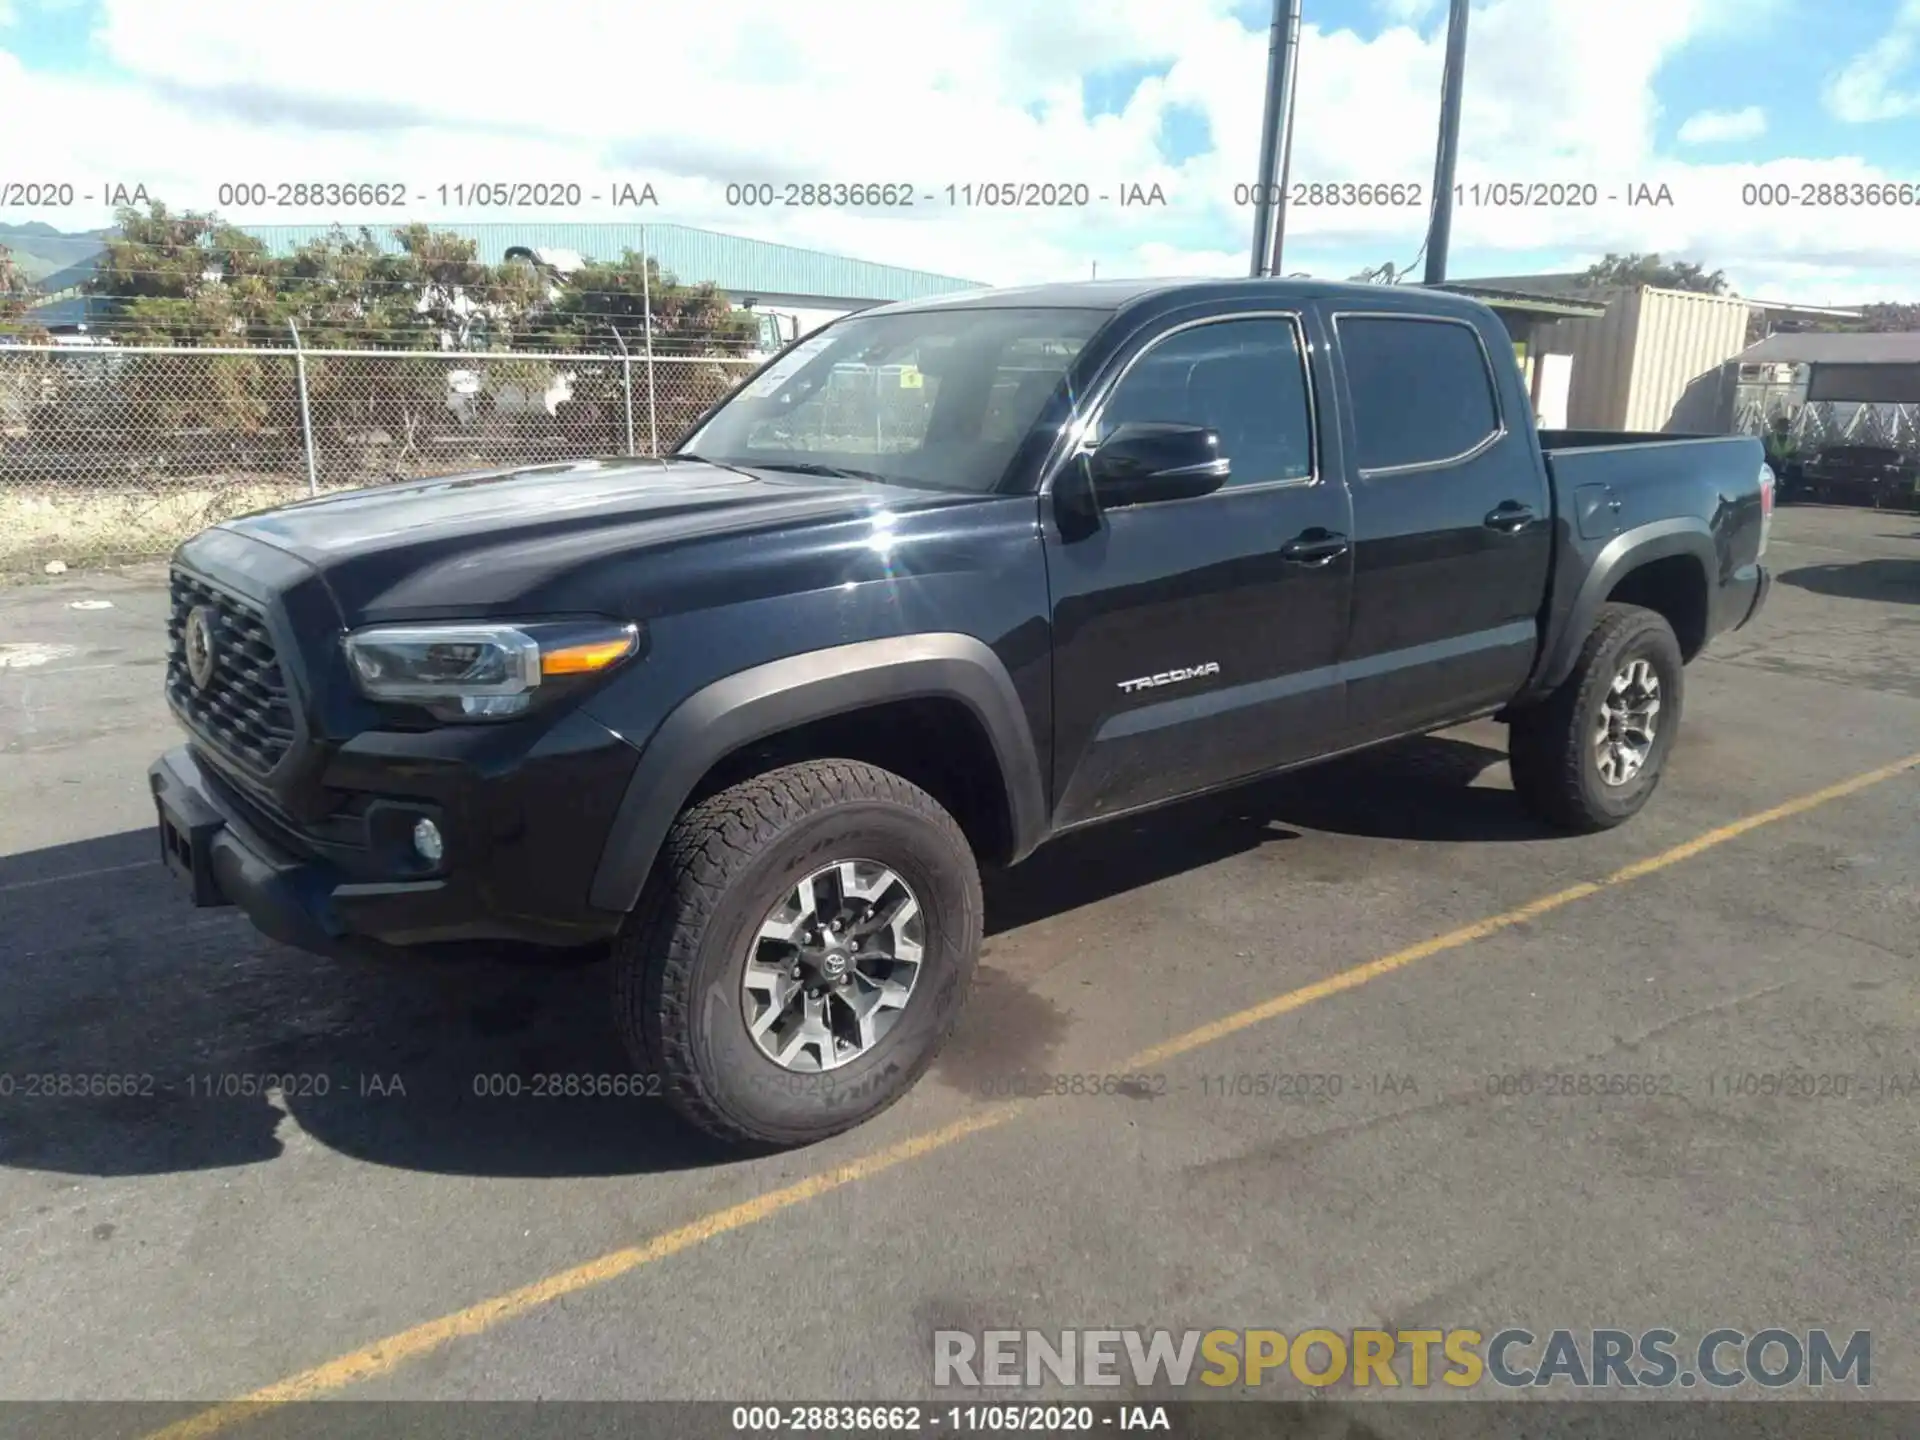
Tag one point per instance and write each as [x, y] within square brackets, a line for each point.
[801, 953]
[1591, 754]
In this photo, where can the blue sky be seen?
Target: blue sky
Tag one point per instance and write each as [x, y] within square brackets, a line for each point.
[51, 37]
[1704, 96]
[1778, 57]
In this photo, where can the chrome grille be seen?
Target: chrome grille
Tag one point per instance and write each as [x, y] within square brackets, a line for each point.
[243, 710]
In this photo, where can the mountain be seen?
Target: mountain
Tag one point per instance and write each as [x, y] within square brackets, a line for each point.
[39, 249]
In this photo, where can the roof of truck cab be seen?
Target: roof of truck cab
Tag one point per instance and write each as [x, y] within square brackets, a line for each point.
[1114, 295]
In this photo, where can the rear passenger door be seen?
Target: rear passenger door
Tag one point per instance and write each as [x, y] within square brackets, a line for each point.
[1451, 521]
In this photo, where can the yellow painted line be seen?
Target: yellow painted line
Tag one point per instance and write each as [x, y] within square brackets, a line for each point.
[77, 875]
[394, 1351]
[1481, 929]
[386, 1355]
[1359, 975]
[1737, 828]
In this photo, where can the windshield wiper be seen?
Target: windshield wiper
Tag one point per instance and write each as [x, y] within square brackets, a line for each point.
[703, 460]
[808, 467]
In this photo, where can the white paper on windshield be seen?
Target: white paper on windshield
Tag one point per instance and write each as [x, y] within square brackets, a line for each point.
[785, 369]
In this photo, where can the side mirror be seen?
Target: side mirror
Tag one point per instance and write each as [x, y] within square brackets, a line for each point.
[1139, 464]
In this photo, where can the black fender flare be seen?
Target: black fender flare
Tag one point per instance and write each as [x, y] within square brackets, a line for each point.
[754, 704]
[1619, 557]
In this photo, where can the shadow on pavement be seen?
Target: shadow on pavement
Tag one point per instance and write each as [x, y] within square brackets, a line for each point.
[136, 1034]
[1893, 581]
[139, 1035]
[1420, 789]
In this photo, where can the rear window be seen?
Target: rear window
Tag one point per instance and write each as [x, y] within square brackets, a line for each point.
[1421, 390]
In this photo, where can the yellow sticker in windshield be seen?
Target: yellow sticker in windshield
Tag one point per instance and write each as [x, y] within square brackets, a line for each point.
[911, 378]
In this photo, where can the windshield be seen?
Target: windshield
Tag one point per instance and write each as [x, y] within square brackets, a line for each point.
[934, 398]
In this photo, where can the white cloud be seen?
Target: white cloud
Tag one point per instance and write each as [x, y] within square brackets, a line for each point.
[1868, 87]
[1709, 127]
[1814, 284]
[970, 91]
[1407, 12]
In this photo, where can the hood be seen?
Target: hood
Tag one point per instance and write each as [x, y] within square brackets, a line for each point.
[528, 502]
[580, 535]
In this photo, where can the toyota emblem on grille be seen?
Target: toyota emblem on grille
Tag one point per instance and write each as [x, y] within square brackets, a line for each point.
[199, 640]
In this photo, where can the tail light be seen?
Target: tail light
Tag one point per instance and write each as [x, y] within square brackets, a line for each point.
[1766, 508]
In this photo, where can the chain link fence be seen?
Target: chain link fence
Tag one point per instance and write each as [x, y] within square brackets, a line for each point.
[120, 452]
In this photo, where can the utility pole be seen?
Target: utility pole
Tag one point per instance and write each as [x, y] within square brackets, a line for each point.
[1452, 82]
[1276, 139]
[1274, 267]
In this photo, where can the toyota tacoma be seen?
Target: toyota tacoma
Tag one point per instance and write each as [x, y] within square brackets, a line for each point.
[938, 584]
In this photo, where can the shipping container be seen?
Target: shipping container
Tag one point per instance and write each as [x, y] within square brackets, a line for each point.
[1654, 361]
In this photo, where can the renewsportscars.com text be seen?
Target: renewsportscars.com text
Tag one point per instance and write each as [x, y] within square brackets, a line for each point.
[1511, 1358]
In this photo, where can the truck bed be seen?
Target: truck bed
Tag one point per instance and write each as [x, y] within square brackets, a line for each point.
[1682, 494]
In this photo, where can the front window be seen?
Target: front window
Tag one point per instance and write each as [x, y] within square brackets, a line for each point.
[1243, 379]
[934, 398]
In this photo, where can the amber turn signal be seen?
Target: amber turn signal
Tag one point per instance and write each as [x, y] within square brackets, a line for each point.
[590, 656]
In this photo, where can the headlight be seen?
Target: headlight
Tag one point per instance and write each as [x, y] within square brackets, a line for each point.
[462, 671]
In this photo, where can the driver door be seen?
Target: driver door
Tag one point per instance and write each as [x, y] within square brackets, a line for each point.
[1197, 641]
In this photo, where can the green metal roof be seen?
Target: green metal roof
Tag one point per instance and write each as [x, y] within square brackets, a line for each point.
[737, 265]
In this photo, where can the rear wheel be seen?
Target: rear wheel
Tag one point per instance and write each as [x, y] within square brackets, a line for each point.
[801, 953]
[1591, 755]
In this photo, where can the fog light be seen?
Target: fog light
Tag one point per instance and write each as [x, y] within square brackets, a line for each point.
[426, 841]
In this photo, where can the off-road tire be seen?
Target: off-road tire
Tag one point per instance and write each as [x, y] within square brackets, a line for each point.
[1550, 750]
[678, 963]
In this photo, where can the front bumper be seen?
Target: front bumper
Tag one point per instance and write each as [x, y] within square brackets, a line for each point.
[315, 905]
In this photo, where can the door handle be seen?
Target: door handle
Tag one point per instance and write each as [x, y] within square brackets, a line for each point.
[1509, 517]
[1314, 547]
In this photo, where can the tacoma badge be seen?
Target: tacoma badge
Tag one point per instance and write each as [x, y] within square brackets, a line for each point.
[1170, 677]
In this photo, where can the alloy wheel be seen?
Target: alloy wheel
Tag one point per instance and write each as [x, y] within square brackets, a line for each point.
[832, 966]
[1623, 737]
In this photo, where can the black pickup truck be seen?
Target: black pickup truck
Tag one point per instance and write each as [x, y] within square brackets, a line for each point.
[940, 583]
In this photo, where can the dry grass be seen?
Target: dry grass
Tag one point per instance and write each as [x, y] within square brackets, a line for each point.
[90, 527]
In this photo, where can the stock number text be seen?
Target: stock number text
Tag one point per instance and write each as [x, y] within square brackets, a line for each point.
[1837, 194]
[872, 193]
[1333, 193]
[312, 192]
